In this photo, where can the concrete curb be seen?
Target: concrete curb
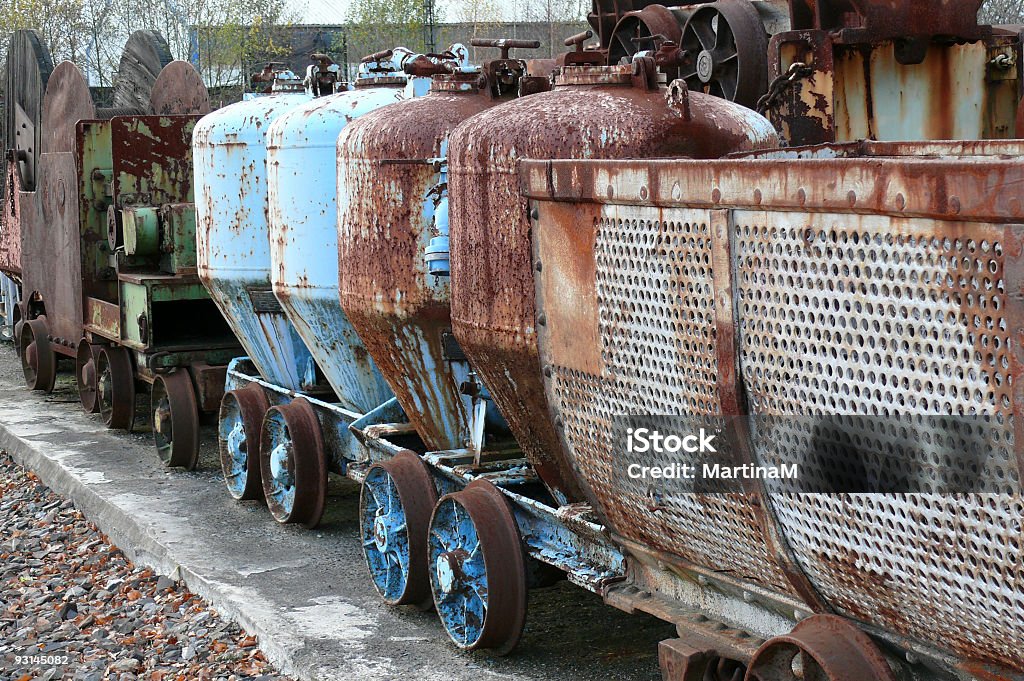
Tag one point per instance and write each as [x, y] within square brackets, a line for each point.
[305, 595]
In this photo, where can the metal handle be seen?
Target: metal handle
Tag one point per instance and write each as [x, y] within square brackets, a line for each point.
[378, 56]
[505, 44]
[579, 39]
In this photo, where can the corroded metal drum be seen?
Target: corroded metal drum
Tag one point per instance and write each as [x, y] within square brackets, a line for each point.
[393, 204]
[593, 112]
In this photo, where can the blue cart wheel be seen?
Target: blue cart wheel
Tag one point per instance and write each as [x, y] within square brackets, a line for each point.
[477, 569]
[394, 508]
[238, 435]
[292, 463]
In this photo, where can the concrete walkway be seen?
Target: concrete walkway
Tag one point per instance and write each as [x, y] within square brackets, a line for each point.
[305, 594]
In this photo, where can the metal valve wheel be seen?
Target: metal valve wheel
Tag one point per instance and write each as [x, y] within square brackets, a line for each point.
[728, 50]
[822, 648]
[38, 360]
[238, 437]
[395, 504]
[477, 571]
[85, 375]
[115, 387]
[175, 420]
[292, 463]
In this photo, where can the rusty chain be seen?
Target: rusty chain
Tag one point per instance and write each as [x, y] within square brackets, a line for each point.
[781, 84]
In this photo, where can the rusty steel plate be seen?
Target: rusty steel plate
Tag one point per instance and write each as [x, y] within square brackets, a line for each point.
[891, 291]
[179, 89]
[145, 55]
[67, 101]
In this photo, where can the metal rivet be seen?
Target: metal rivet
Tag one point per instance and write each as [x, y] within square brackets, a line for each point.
[716, 195]
[547, 371]
[901, 201]
[538, 266]
[757, 196]
[534, 214]
[851, 197]
[954, 205]
[542, 320]
[643, 193]
[801, 196]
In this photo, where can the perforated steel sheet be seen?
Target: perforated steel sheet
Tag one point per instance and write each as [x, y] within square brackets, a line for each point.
[884, 289]
[656, 354]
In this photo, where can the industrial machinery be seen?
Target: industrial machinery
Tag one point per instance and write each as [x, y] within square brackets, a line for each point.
[849, 308]
[108, 250]
[395, 288]
[778, 299]
[26, 72]
[593, 112]
[494, 522]
[310, 376]
[789, 232]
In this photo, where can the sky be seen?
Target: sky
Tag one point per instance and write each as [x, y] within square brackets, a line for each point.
[333, 11]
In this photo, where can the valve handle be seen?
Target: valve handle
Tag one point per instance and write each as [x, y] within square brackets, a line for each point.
[377, 56]
[579, 39]
[505, 44]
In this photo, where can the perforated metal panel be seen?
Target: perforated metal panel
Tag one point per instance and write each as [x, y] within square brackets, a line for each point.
[654, 283]
[876, 316]
[870, 304]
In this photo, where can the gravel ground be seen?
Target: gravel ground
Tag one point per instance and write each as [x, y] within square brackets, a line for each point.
[73, 607]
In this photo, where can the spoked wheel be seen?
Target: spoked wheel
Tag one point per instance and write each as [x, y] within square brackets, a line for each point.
[477, 570]
[85, 375]
[115, 387]
[238, 435]
[820, 648]
[394, 507]
[175, 421]
[293, 464]
[38, 360]
[728, 48]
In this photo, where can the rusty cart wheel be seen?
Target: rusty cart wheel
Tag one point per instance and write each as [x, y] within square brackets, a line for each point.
[85, 375]
[823, 648]
[175, 420]
[238, 437]
[19, 324]
[38, 360]
[477, 569]
[728, 49]
[395, 505]
[115, 387]
[293, 464]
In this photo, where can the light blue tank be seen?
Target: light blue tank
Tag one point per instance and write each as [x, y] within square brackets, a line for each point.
[302, 166]
[232, 233]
